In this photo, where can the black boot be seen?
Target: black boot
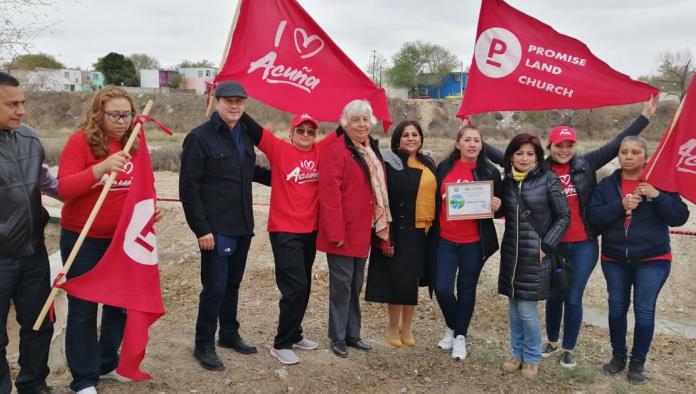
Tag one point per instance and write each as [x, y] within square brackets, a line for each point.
[208, 359]
[237, 343]
[635, 372]
[617, 364]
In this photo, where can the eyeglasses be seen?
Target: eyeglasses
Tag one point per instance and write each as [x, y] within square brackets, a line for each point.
[303, 131]
[116, 116]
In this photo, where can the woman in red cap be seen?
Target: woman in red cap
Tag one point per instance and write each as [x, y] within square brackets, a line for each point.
[578, 174]
[292, 222]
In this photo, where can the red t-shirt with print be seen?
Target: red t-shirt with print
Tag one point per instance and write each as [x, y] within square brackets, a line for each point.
[80, 190]
[629, 186]
[294, 184]
[576, 230]
[458, 231]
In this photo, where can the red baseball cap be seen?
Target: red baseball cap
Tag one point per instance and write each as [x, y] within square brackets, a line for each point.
[560, 134]
[302, 118]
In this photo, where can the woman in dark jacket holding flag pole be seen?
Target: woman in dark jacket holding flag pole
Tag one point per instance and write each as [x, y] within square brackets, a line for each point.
[89, 156]
[633, 218]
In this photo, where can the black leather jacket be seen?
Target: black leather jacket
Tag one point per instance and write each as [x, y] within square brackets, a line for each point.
[522, 275]
[22, 218]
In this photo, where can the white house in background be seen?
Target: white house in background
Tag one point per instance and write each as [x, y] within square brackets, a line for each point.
[49, 80]
[149, 79]
[62, 80]
[196, 77]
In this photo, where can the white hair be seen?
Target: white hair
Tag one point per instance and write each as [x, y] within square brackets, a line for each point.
[357, 108]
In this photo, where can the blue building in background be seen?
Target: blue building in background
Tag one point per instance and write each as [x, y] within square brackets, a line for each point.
[452, 84]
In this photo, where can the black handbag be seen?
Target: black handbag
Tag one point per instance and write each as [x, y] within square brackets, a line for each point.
[561, 267]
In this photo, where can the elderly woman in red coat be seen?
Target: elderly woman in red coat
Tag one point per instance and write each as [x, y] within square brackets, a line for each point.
[353, 213]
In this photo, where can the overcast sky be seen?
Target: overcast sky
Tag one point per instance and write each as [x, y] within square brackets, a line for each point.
[627, 34]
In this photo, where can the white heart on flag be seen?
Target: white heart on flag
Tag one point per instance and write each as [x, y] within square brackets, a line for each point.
[306, 41]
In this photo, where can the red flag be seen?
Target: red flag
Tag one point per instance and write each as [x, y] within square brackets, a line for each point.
[284, 59]
[674, 162]
[521, 63]
[127, 276]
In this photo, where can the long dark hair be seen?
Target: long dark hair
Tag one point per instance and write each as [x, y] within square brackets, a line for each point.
[456, 154]
[399, 132]
[516, 143]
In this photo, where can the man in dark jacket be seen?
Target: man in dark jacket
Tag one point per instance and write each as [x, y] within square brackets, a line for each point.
[217, 168]
[24, 267]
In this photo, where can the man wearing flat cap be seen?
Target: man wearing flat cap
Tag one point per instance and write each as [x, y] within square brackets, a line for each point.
[217, 168]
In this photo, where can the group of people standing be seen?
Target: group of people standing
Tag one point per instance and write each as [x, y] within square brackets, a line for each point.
[343, 196]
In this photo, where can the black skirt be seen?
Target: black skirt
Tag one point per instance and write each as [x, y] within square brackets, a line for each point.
[394, 280]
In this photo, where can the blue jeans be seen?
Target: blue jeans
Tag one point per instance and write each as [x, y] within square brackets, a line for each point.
[568, 304]
[89, 356]
[647, 279]
[525, 331]
[468, 260]
[220, 277]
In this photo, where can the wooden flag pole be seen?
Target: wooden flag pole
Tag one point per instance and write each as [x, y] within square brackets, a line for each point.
[88, 224]
[669, 134]
[226, 50]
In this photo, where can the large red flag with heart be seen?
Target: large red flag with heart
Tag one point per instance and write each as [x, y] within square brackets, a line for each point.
[284, 59]
[673, 166]
[521, 63]
[127, 276]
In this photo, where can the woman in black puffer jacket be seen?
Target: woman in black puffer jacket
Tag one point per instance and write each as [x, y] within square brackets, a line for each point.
[524, 274]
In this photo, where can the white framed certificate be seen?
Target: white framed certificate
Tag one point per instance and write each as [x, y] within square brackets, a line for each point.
[469, 200]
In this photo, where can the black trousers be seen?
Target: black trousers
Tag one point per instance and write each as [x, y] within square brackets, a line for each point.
[221, 277]
[26, 281]
[88, 355]
[294, 256]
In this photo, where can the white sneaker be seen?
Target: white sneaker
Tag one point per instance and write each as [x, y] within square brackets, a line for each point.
[306, 344]
[285, 356]
[88, 390]
[113, 375]
[459, 348]
[446, 341]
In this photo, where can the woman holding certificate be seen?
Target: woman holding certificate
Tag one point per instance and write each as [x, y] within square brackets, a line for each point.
[465, 237]
[536, 217]
[412, 189]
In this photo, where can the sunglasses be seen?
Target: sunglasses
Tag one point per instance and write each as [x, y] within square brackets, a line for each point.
[303, 131]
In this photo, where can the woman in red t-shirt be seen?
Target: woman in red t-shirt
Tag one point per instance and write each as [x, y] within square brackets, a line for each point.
[88, 157]
[292, 223]
[462, 245]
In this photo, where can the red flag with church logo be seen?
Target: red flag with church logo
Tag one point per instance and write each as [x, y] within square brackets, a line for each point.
[673, 166]
[521, 63]
[284, 59]
[127, 276]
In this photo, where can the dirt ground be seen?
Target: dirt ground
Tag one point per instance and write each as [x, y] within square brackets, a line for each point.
[423, 368]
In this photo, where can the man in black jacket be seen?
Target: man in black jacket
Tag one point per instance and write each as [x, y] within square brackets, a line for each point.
[217, 168]
[24, 268]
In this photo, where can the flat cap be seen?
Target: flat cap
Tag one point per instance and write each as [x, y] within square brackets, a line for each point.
[230, 89]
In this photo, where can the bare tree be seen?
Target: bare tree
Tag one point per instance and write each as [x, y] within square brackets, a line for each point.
[674, 72]
[21, 21]
[375, 69]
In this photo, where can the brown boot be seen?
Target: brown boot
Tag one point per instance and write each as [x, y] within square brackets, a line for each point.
[512, 365]
[530, 371]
